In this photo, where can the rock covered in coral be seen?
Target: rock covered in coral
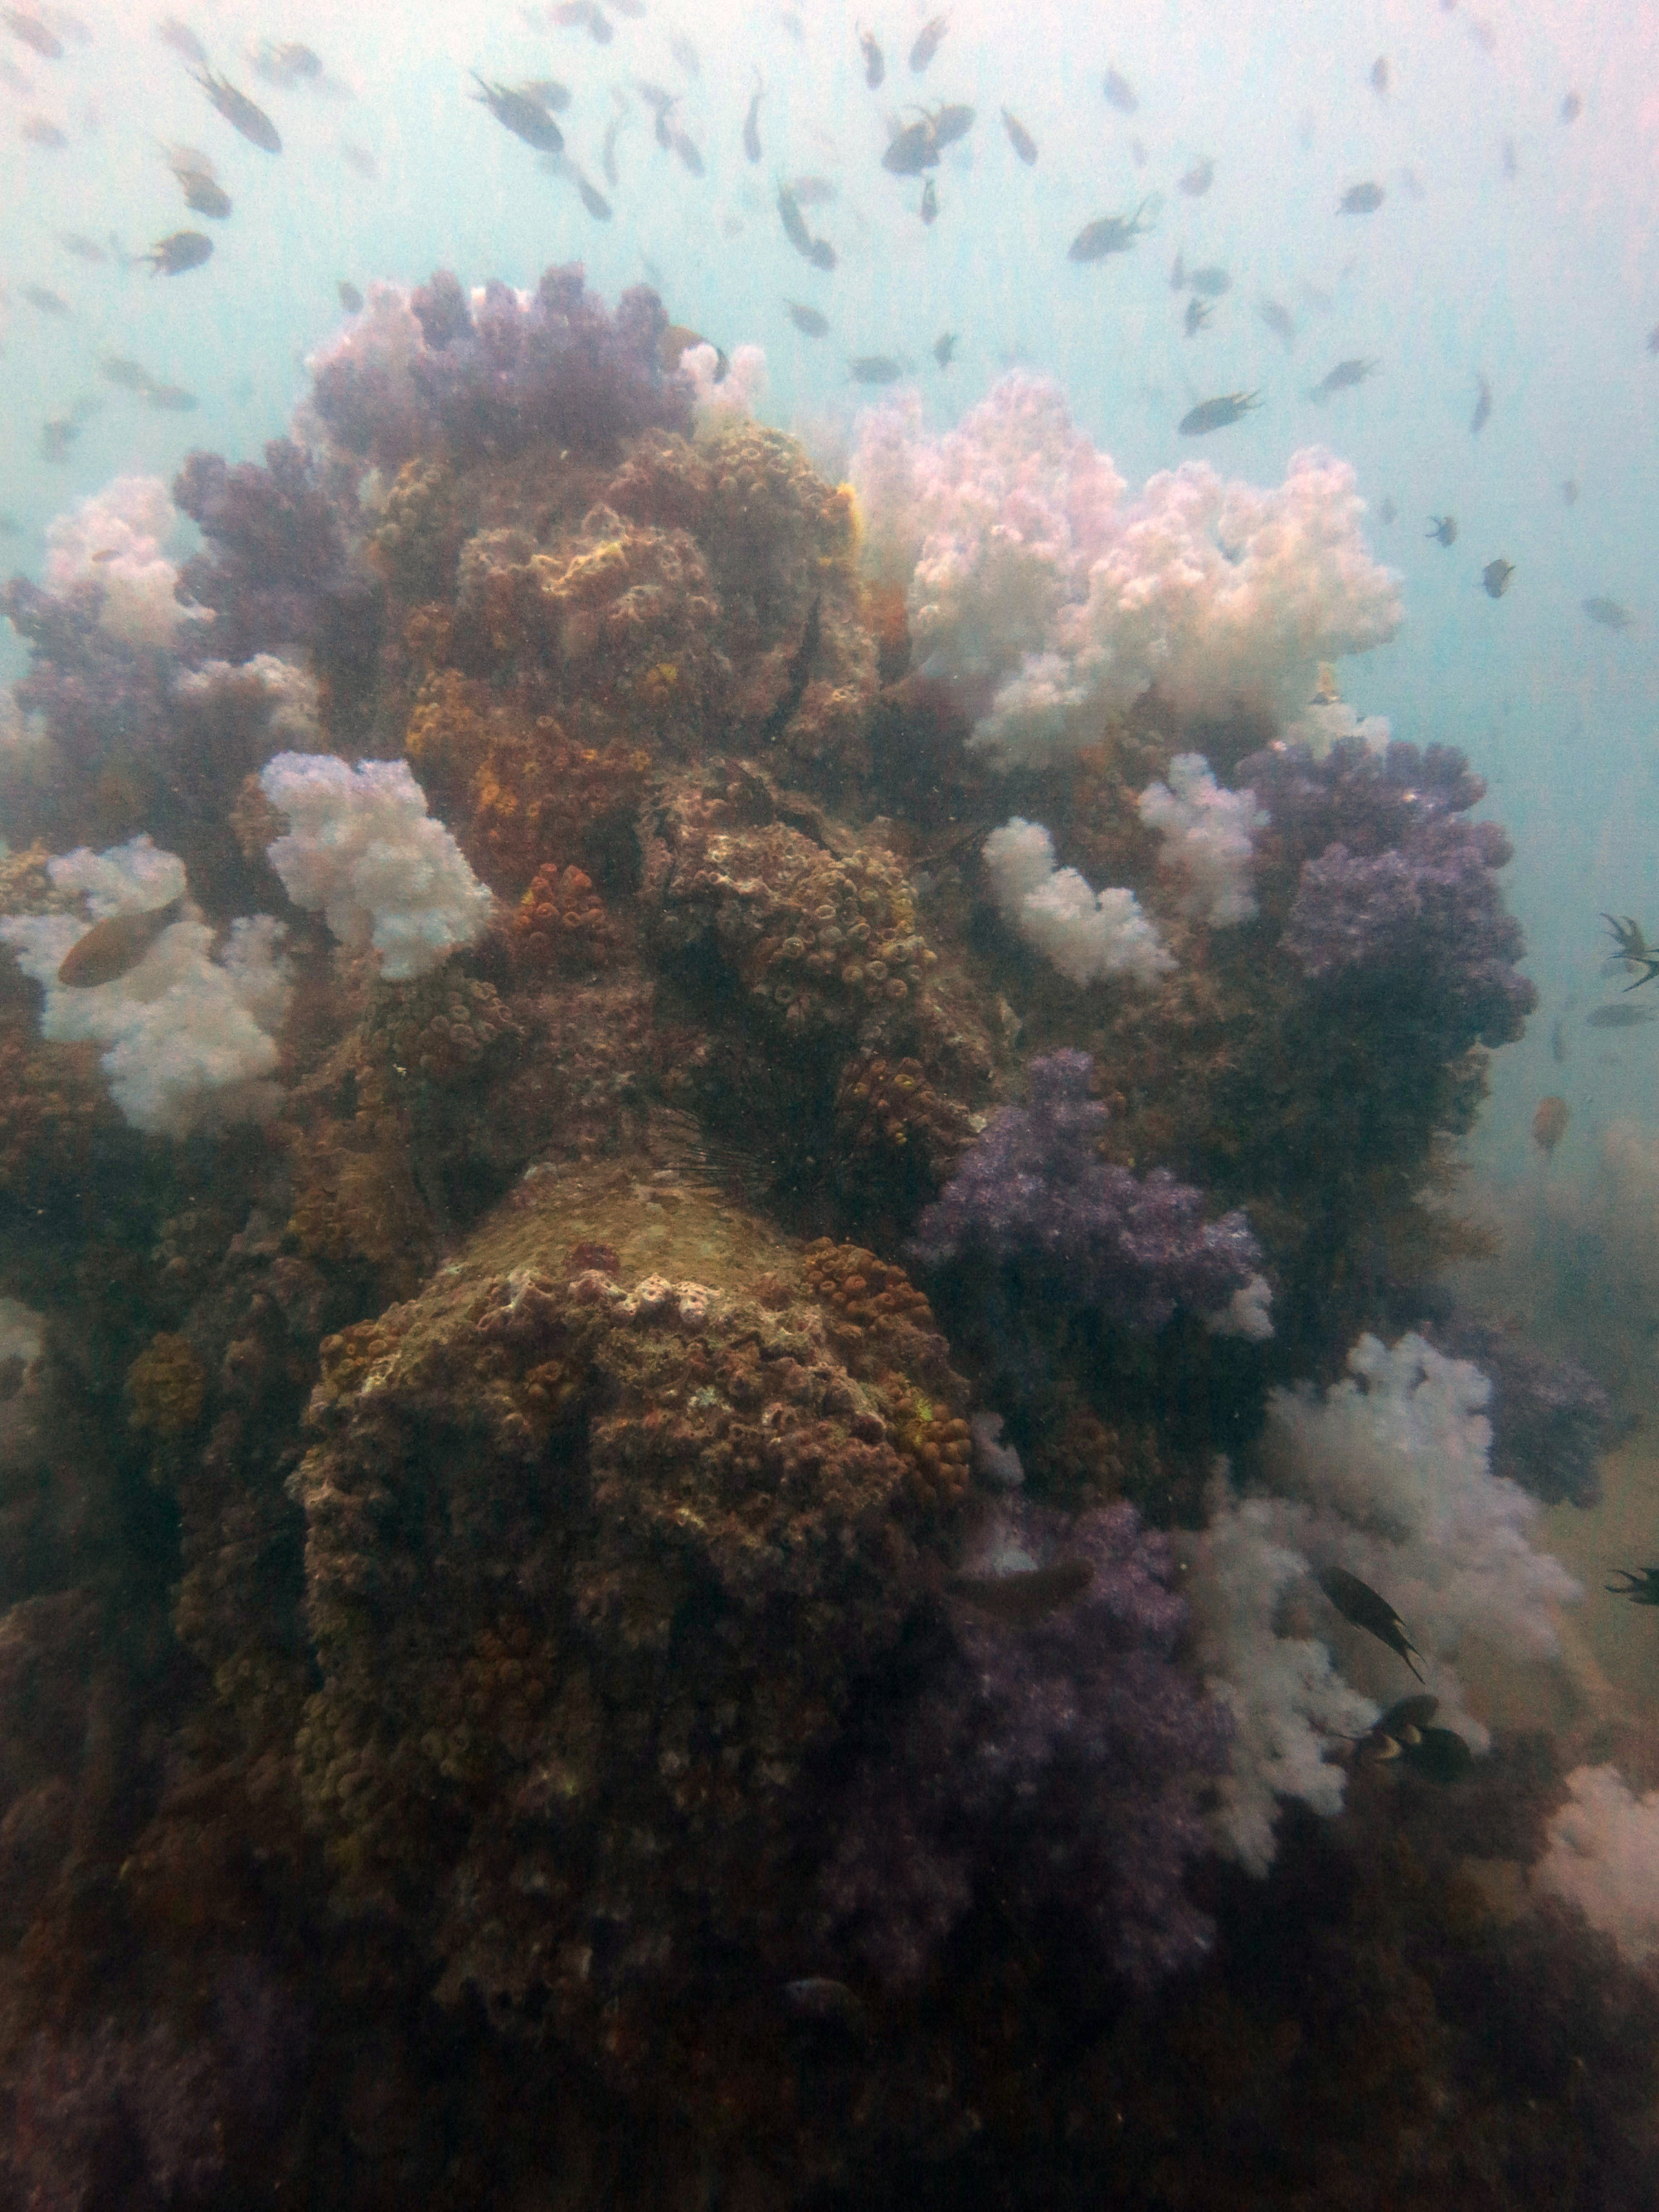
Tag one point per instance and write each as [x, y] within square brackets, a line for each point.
[603, 1532]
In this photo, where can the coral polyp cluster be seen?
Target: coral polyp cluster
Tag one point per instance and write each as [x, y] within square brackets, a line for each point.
[690, 1319]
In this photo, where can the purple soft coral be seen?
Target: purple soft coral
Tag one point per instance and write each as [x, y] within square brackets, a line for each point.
[1429, 911]
[1068, 1754]
[1034, 1189]
[277, 560]
[514, 372]
[1395, 883]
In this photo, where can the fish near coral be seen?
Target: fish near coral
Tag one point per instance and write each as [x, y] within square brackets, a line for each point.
[521, 113]
[929, 40]
[114, 947]
[1364, 1608]
[1443, 528]
[944, 347]
[1108, 234]
[1641, 1585]
[1019, 139]
[1026, 1594]
[181, 250]
[875, 369]
[875, 65]
[1609, 613]
[1216, 414]
[1549, 1124]
[32, 32]
[240, 111]
[1634, 948]
[1342, 377]
[807, 320]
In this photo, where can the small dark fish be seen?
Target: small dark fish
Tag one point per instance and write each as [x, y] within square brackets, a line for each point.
[1198, 179]
[1028, 1595]
[34, 33]
[351, 298]
[130, 375]
[1641, 1585]
[812, 192]
[950, 123]
[685, 54]
[1216, 414]
[1212, 282]
[179, 251]
[554, 96]
[1361, 199]
[1437, 1754]
[875, 369]
[944, 347]
[582, 13]
[1482, 414]
[83, 247]
[49, 303]
[1402, 1724]
[1569, 492]
[1653, 339]
[929, 209]
[875, 67]
[172, 398]
[40, 132]
[1019, 139]
[826, 2004]
[797, 674]
[794, 223]
[660, 129]
[1108, 234]
[911, 150]
[592, 197]
[1279, 320]
[1178, 272]
[1388, 512]
[1316, 296]
[1495, 578]
[807, 320]
[1609, 613]
[689, 157]
[111, 948]
[677, 339]
[1343, 378]
[202, 196]
[1119, 92]
[823, 254]
[1558, 1041]
[1571, 108]
[1137, 153]
[929, 40]
[1379, 76]
[1198, 316]
[1443, 528]
[1618, 1016]
[751, 144]
[608, 152]
[1364, 1608]
[57, 436]
[517, 111]
[183, 40]
[1634, 948]
[286, 63]
[360, 161]
[240, 111]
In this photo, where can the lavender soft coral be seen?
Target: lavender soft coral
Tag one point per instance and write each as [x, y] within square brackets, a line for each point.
[1405, 887]
[1034, 1190]
[503, 375]
[1067, 1754]
[277, 560]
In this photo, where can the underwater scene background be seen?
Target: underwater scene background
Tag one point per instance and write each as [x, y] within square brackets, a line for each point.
[829, 1194]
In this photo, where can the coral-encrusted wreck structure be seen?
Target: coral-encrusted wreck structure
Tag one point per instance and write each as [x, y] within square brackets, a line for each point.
[660, 1442]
